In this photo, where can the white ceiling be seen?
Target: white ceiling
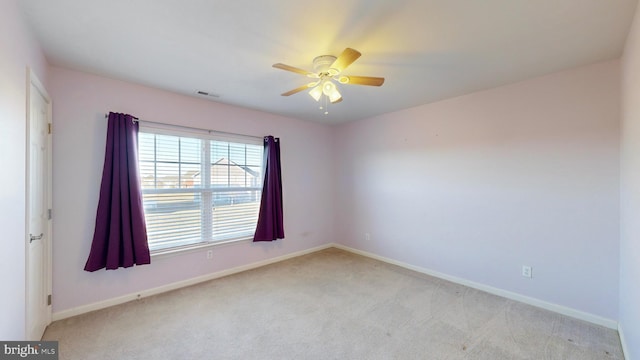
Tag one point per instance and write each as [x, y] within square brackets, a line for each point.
[427, 50]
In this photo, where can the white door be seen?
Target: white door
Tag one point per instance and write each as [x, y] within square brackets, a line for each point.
[38, 197]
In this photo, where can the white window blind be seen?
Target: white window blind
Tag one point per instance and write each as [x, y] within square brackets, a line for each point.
[198, 189]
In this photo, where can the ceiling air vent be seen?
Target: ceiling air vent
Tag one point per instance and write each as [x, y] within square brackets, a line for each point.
[208, 94]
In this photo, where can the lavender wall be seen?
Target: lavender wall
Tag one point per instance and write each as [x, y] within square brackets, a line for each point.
[80, 102]
[477, 186]
[18, 50]
[630, 195]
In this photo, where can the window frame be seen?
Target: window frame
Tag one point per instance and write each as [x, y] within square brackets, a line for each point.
[208, 136]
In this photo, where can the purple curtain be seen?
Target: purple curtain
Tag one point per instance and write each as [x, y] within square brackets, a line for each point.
[270, 224]
[120, 236]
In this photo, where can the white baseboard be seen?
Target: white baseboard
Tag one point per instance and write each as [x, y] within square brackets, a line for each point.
[595, 319]
[177, 285]
[623, 342]
[612, 324]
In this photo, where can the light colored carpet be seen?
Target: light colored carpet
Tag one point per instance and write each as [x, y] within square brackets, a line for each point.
[330, 305]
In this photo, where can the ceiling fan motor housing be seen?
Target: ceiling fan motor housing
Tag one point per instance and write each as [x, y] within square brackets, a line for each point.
[322, 63]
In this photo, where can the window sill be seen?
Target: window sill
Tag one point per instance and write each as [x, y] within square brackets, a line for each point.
[164, 253]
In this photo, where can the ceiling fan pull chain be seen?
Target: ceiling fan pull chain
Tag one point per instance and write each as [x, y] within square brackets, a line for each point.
[326, 105]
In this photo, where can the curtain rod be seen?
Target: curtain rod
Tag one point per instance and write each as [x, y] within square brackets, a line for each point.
[106, 116]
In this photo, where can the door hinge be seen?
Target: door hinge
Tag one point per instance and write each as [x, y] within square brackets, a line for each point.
[48, 299]
[49, 127]
[49, 214]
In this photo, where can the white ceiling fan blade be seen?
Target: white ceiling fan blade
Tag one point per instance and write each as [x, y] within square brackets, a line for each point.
[345, 59]
[301, 88]
[295, 70]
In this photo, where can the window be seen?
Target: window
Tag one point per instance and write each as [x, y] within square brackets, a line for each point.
[198, 189]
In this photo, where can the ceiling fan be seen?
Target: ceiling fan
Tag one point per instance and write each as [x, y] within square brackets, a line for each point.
[327, 68]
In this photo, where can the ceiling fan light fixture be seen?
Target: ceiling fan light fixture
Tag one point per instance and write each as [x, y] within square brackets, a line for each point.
[328, 87]
[335, 97]
[316, 93]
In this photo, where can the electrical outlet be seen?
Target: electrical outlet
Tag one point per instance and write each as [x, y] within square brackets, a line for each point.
[526, 271]
[210, 254]
[367, 236]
